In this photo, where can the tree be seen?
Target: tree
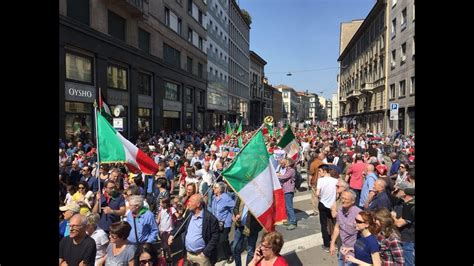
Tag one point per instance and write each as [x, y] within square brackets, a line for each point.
[247, 16]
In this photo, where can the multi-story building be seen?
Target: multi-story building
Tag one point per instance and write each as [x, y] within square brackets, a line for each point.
[290, 103]
[329, 108]
[313, 106]
[257, 73]
[148, 58]
[401, 70]
[335, 107]
[268, 99]
[278, 112]
[218, 62]
[362, 73]
[239, 63]
[303, 106]
[322, 111]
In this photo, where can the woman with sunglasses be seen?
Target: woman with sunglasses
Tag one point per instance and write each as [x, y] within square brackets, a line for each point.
[83, 197]
[120, 251]
[268, 252]
[366, 249]
[146, 255]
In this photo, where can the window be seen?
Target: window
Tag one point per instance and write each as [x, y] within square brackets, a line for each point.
[412, 86]
[190, 7]
[210, 70]
[190, 35]
[77, 117]
[403, 53]
[116, 77]
[171, 91]
[189, 64]
[144, 84]
[144, 40]
[189, 120]
[402, 89]
[200, 17]
[189, 95]
[180, 24]
[167, 16]
[285, 95]
[403, 22]
[394, 28]
[200, 98]
[394, 2]
[172, 21]
[413, 10]
[78, 68]
[200, 70]
[200, 43]
[116, 26]
[78, 10]
[393, 59]
[413, 48]
[171, 55]
[144, 119]
[392, 91]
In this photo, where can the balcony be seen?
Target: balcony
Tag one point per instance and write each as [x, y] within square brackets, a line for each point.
[216, 60]
[353, 94]
[138, 9]
[367, 87]
[218, 39]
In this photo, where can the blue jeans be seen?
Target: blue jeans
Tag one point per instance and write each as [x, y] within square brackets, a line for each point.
[340, 260]
[409, 253]
[238, 243]
[290, 212]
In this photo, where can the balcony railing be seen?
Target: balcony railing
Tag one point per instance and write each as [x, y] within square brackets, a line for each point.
[137, 8]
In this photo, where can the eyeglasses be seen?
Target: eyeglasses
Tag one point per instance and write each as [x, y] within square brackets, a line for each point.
[81, 187]
[145, 262]
[266, 246]
[359, 221]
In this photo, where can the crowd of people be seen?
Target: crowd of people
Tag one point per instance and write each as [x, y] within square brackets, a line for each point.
[111, 216]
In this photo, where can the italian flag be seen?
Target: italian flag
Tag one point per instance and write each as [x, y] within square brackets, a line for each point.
[289, 144]
[253, 177]
[103, 107]
[114, 148]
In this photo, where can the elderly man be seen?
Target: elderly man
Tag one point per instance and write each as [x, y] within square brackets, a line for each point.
[201, 233]
[345, 226]
[381, 198]
[69, 210]
[142, 220]
[366, 194]
[78, 248]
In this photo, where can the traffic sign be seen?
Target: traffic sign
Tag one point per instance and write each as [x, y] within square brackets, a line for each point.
[394, 111]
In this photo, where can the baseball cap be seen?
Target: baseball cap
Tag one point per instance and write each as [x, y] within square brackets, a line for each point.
[71, 206]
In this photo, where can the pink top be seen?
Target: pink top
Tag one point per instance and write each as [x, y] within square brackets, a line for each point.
[355, 171]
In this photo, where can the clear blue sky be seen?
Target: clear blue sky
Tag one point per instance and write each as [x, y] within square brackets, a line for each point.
[301, 35]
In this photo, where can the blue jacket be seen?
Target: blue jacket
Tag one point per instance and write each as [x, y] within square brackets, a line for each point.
[222, 208]
[394, 168]
[147, 230]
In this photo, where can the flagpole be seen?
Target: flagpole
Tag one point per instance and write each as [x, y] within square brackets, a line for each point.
[97, 150]
[220, 174]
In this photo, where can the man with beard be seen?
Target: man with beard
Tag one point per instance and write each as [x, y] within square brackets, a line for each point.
[78, 248]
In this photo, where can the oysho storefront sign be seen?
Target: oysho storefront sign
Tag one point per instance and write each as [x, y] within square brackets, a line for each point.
[79, 92]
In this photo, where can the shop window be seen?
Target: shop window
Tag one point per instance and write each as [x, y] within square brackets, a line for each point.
[78, 121]
[144, 119]
[144, 84]
[189, 120]
[171, 91]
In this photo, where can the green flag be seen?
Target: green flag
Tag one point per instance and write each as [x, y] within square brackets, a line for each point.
[240, 128]
[270, 129]
[228, 130]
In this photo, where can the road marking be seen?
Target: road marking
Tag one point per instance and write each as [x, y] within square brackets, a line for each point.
[302, 198]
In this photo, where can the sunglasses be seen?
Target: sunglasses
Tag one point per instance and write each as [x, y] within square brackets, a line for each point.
[145, 262]
[359, 221]
[81, 187]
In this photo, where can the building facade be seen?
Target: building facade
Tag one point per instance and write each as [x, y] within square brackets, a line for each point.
[257, 74]
[313, 106]
[290, 103]
[335, 107]
[322, 111]
[303, 106]
[218, 62]
[329, 108]
[268, 99]
[278, 112]
[401, 70]
[148, 58]
[239, 63]
[363, 74]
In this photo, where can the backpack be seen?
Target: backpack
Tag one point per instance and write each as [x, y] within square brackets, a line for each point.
[298, 180]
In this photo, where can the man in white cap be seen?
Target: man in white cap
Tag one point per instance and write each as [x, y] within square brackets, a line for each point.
[69, 210]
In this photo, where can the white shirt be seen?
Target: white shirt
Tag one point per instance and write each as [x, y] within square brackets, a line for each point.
[101, 242]
[166, 221]
[327, 190]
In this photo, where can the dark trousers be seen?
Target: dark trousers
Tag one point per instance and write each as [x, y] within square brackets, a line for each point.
[164, 244]
[223, 247]
[357, 191]
[324, 215]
